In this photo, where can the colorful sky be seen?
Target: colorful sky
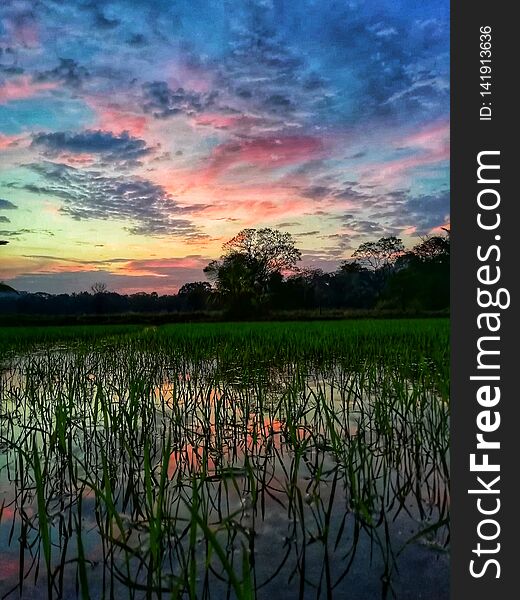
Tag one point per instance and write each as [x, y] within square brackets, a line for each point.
[138, 136]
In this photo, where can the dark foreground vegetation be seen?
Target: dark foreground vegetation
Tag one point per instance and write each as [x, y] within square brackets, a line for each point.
[258, 276]
[251, 461]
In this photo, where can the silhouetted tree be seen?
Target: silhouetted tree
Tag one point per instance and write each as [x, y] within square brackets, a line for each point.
[354, 286]
[99, 288]
[351, 266]
[195, 295]
[251, 264]
[100, 291]
[234, 276]
[381, 254]
[434, 248]
[272, 250]
[421, 279]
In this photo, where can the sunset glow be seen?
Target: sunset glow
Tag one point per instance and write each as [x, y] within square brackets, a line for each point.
[137, 137]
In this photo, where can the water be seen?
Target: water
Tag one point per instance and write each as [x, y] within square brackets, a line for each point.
[162, 475]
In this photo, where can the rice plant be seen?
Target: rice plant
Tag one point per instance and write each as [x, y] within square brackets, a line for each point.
[295, 460]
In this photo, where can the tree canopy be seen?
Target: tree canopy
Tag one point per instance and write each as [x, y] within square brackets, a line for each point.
[271, 250]
[252, 261]
[380, 254]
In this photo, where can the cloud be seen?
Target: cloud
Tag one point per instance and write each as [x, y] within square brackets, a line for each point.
[22, 87]
[20, 25]
[103, 22]
[117, 119]
[4, 219]
[113, 148]
[386, 64]
[239, 124]
[166, 267]
[326, 260]
[19, 232]
[316, 192]
[396, 213]
[10, 69]
[92, 195]
[8, 142]
[7, 205]
[364, 227]
[137, 39]
[288, 224]
[164, 102]
[307, 233]
[265, 111]
[427, 148]
[269, 152]
[264, 76]
[68, 71]
[348, 190]
[62, 259]
[428, 211]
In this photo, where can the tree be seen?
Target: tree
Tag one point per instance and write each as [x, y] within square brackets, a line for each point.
[253, 262]
[351, 266]
[354, 286]
[100, 291]
[267, 250]
[319, 282]
[234, 277]
[379, 259]
[421, 279]
[195, 287]
[99, 288]
[381, 254]
[195, 295]
[434, 248]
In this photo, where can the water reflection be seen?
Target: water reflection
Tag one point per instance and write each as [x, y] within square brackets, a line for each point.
[160, 476]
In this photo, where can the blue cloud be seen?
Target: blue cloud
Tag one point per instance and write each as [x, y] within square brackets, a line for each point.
[113, 148]
[7, 205]
[87, 194]
[164, 102]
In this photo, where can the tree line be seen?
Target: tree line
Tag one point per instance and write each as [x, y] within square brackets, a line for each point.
[258, 273]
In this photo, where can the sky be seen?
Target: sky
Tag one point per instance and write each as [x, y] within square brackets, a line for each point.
[136, 137]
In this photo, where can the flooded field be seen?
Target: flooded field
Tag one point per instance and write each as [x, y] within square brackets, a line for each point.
[305, 460]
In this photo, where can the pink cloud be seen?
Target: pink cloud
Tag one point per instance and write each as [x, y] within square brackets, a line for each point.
[441, 229]
[9, 141]
[190, 77]
[431, 146]
[215, 120]
[80, 159]
[48, 273]
[236, 123]
[255, 204]
[392, 172]
[161, 267]
[23, 87]
[267, 152]
[164, 275]
[246, 201]
[118, 120]
[433, 138]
